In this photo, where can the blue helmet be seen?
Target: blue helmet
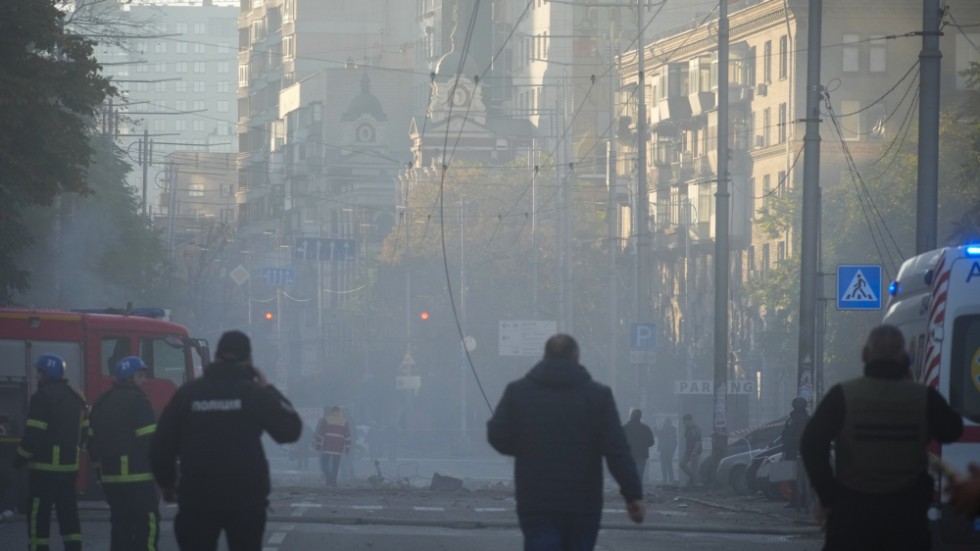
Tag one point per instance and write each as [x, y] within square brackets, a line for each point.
[127, 366]
[51, 365]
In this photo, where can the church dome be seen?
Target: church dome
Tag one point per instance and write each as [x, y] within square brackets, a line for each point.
[365, 103]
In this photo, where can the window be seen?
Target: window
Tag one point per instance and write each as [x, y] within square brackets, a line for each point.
[877, 54]
[181, 67]
[781, 183]
[181, 28]
[199, 105]
[223, 48]
[142, 86]
[159, 125]
[180, 86]
[200, 28]
[180, 125]
[783, 57]
[160, 47]
[767, 61]
[113, 350]
[964, 395]
[196, 190]
[780, 251]
[242, 75]
[765, 260]
[223, 86]
[181, 47]
[142, 67]
[165, 359]
[159, 67]
[199, 66]
[223, 68]
[199, 86]
[181, 105]
[200, 48]
[851, 51]
[781, 129]
[198, 125]
[160, 87]
[766, 127]
[766, 192]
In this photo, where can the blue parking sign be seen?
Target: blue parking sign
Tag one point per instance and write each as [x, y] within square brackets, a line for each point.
[643, 336]
[858, 287]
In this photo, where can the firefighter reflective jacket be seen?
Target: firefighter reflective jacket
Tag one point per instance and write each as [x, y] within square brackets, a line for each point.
[121, 427]
[52, 432]
[332, 434]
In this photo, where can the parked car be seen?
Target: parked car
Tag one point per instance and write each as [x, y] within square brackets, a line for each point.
[742, 446]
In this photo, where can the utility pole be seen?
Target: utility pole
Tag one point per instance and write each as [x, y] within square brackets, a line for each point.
[930, 63]
[641, 220]
[146, 153]
[810, 244]
[611, 217]
[722, 249]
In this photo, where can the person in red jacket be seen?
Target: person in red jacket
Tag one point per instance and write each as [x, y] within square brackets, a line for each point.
[332, 440]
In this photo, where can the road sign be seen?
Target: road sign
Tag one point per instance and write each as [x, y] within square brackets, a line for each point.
[643, 336]
[314, 248]
[858, 287]
[704, 386]
[279, 276]
[239, 275]
[525, 338]
[408, 382]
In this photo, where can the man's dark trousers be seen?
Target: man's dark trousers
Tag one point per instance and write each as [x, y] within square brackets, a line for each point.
[559, 531]
[330, 465]
[862, 522]
[57, 489]
[199, 530]
[134, 510]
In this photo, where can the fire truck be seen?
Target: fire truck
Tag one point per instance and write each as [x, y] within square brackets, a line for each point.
[936, 303]
[91, 342]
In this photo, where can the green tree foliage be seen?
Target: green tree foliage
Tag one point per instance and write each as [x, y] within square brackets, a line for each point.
[50, 87]
[95, 249]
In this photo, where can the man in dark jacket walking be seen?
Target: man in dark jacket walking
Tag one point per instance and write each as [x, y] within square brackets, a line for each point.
[213, 426]
[640, 438]
[559, 424]
[121, 426]
[53, 430]
[876, 497]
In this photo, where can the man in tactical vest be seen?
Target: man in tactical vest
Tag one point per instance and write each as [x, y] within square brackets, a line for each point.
[881, 424]
[121, 427]
[55, 421]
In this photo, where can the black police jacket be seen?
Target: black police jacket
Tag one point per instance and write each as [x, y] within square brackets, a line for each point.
[121, 426]
[53, 428]
[213, 426]
[559, 424]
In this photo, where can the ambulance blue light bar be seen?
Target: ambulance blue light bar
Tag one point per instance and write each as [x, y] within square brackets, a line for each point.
[973, 250]
[894, 288]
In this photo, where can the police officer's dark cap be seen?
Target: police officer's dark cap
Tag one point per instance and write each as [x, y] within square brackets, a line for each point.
[234, 346]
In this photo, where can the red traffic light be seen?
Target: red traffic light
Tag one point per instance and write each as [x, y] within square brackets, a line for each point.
[424, 315]
[268, 315]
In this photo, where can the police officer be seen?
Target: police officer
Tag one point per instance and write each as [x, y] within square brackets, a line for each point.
[55, 420]
[877, 495]
[213, 425]
[121, 426]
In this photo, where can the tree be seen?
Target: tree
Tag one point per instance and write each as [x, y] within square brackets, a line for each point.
[50, 87]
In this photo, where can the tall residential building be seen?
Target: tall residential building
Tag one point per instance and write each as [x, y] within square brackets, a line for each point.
[175, 68]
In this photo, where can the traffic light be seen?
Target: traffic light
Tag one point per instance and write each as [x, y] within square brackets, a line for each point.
[268, 316]
[424, 315]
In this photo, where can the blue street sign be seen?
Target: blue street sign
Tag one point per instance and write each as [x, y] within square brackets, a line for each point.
[313, 248]
[643, 336]
[279, 276]
[858, 287]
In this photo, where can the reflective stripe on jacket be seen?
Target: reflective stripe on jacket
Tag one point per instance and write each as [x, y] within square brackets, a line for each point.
[120, 430]
[52, 432]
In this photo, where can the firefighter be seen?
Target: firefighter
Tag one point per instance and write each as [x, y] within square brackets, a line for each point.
[332, 440]
[121, 427]
[52, 434]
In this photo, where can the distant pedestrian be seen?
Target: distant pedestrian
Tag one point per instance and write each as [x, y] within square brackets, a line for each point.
[212, 429]
[790, 438]
[121, 427]
[332, 440]
[640, 438]
[559, 424]
[52, 434]
[878, 492]
[692, 449]
[667, 447]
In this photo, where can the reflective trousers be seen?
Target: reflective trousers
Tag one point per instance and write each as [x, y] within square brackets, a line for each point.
[47, 489]
[135, 513]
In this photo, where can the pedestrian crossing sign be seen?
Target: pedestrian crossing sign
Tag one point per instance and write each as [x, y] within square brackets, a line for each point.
[858, 287]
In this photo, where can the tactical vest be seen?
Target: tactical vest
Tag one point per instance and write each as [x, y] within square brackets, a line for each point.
[882, 447]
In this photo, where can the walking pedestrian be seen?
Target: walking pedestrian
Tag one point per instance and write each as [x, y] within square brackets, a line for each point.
[877, 494]
[213, 428]
[121, 427]
[332, 440]
[692, 449]
[52, 434]
[559, 424]
[790, 437]
[640, 438]
[666, 447]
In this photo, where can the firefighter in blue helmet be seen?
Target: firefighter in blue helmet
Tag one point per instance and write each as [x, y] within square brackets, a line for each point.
[52, 434]
[121, 427]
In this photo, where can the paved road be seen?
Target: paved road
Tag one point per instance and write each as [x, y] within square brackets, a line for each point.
[307, 536]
